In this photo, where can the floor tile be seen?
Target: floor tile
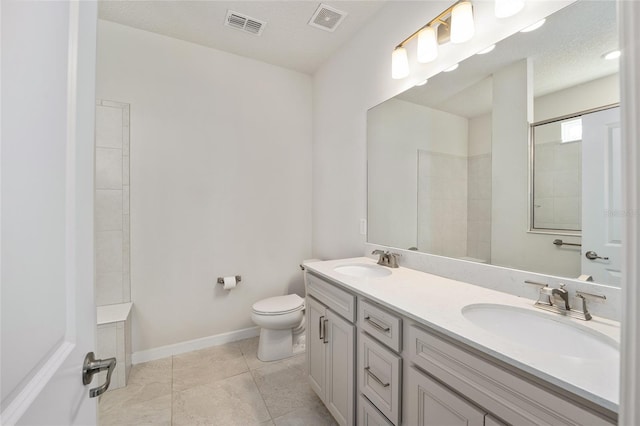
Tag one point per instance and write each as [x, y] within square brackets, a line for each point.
[231, 401]
[317, 415]
[155, 411]
[207, 366]
[284, 386]
[147, 381]
[215, 386]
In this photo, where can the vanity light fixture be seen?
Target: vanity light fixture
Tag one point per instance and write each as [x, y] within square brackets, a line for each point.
[614, 54]
[506, 8]
[451, 68]
[462, 25]
[534, 26]
[422, 83]
[399, 63]
[486, 50]
[427, 44]
[455, 24]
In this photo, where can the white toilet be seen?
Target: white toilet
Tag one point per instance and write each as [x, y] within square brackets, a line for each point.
[281, 319]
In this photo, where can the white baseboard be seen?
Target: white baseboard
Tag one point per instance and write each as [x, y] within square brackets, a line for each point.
[193, 345]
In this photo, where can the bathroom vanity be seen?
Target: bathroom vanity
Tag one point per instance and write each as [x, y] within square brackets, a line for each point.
[402, 347]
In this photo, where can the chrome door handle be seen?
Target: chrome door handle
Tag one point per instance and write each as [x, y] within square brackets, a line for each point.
[374, 377]
[92, 366]
[320, 329]
[592, 255]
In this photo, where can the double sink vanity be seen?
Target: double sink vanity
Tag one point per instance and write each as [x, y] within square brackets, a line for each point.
[396, 346]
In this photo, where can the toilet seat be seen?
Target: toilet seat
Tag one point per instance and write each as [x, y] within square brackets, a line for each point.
[278, 305]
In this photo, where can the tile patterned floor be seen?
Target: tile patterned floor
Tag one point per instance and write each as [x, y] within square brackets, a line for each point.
[223, 385]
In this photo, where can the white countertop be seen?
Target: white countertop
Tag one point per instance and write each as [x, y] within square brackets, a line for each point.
[437, 302]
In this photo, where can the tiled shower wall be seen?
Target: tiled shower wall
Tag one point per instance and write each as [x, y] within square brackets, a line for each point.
[479, 214]
[558, 186]
[113, 279]
[442, 204]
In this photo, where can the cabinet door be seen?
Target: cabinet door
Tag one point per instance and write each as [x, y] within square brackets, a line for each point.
[316, 359]
[340, 353]
[432, 404]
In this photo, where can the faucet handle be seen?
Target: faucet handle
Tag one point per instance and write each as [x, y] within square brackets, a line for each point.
[393, 259]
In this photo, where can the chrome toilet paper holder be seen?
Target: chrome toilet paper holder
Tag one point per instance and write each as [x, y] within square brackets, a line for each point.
[221, 279]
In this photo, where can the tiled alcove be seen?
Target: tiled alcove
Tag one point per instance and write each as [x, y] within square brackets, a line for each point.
[112, 237]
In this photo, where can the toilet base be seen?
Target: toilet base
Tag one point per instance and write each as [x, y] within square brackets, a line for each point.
[275, 344]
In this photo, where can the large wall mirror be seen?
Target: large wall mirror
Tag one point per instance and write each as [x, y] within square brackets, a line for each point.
[472, 165]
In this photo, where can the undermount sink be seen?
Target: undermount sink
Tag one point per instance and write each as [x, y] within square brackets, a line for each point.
[363, 270]
[542, 332]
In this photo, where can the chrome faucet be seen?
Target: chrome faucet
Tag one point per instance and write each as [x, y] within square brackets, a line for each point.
[560, 293]
[387, 258]
[548, 296]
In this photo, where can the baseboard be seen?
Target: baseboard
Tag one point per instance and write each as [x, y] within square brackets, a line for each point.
[193, 345]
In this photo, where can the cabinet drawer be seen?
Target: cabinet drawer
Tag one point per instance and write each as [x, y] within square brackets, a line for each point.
[336, 299]
[381, 324]
[379, 372]
[368, 415]
[493, 386]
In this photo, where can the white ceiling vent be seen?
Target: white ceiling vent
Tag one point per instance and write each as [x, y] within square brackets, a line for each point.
[327, 18]
[244, 23]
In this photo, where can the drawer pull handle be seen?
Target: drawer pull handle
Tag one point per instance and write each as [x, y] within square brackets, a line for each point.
[324, 331]
[376, 325]
[320, 328]
[374, 377]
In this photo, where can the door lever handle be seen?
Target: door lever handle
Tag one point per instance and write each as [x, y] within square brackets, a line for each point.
[92, 366]
[592, 255]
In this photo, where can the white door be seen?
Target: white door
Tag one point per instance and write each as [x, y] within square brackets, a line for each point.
[47, 307]
[602, 214]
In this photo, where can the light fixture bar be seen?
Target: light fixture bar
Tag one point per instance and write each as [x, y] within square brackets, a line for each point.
[440, 19]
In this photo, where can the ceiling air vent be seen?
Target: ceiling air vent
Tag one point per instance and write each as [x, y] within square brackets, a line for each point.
[244, 23]
[327, 18]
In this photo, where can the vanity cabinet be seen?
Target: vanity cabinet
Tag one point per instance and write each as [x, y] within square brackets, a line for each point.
[331, 350]
[409, 374]
[500, 390]
[432, 404]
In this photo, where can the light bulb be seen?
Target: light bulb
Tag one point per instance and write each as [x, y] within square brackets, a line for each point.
[452, 68]
[399, 63]
[462, 25]
[427, 45]
[506, 8]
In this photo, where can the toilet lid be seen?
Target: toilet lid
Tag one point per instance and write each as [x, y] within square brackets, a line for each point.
[279, 305]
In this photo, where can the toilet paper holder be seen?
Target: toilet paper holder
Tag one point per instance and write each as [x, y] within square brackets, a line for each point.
[221, 279]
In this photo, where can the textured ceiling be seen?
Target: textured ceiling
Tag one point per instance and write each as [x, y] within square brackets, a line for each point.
[566, 51]
[286, 41]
